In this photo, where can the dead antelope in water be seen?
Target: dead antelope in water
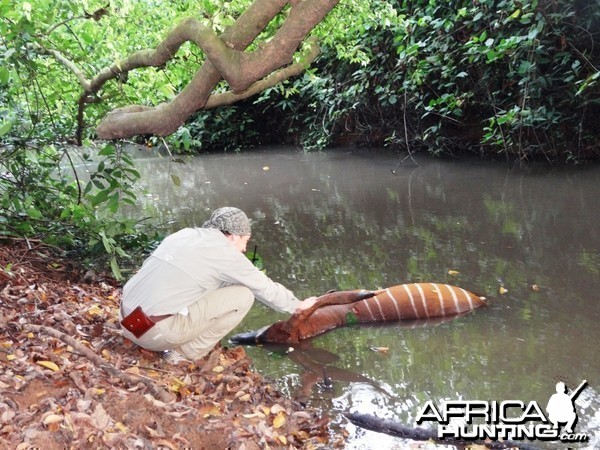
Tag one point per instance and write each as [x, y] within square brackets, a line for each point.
[335, 309]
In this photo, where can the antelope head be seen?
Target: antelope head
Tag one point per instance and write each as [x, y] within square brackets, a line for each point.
[289, 331]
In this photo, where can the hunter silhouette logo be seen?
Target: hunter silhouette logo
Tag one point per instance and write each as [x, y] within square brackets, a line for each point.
[509, 419]
[561, 406]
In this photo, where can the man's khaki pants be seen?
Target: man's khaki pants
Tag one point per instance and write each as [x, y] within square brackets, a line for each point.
[208, 320]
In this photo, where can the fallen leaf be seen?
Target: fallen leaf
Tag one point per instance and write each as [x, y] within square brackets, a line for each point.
[52, 418]
[502, 290]
[7, 416]
[83, 405]
[100, 418]
[209, 410]
[95, 310]
[153, 433]
[301, 415]
[44, 409]
[239, 394]
[279, 420]
[453, 272]
[277, 409]
[380, 349]
[175, 384]
[263, 429]
[301, 435]
[165, 443]
[49, 365]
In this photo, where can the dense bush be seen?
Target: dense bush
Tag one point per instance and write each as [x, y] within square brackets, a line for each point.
[518, 78]
[41, 198]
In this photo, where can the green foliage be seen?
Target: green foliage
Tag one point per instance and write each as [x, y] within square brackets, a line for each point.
[494, 76]
[350, 319]
[43, 196]
[42, 93]
[45, 191]
[227, 129]
[519, 78]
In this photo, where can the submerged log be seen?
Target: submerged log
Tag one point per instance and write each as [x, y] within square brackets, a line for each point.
[396, 429]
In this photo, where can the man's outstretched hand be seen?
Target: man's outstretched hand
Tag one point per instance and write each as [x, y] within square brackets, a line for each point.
[306, 303]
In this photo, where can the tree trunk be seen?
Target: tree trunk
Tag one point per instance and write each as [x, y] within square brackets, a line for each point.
[247, 73]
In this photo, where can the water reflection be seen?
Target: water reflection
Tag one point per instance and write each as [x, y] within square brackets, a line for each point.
[343, 220]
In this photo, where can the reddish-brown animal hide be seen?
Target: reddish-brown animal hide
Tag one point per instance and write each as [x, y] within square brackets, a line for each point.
[398, 303]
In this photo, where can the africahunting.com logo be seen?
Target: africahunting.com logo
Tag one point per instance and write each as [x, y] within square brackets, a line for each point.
[509, 419]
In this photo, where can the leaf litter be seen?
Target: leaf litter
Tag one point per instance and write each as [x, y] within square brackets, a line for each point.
[69, 379]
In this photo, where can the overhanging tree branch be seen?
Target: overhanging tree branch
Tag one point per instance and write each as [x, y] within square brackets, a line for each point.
[230, 97]
[247, 73]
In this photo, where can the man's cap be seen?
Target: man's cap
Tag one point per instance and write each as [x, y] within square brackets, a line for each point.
[230, 220]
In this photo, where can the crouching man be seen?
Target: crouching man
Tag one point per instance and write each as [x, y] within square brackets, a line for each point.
[196, 287]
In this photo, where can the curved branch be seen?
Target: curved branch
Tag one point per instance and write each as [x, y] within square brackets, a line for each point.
[189, 29]
[241, 69]
[246, 73]
[67, 63]
[230, 97]
[167, 117]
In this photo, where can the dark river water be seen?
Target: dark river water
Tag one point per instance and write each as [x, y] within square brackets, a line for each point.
[349, 219]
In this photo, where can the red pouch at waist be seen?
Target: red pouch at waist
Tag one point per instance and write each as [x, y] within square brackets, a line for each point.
[137, 322]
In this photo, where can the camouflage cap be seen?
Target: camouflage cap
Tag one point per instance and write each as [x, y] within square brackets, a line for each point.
[230, 220]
